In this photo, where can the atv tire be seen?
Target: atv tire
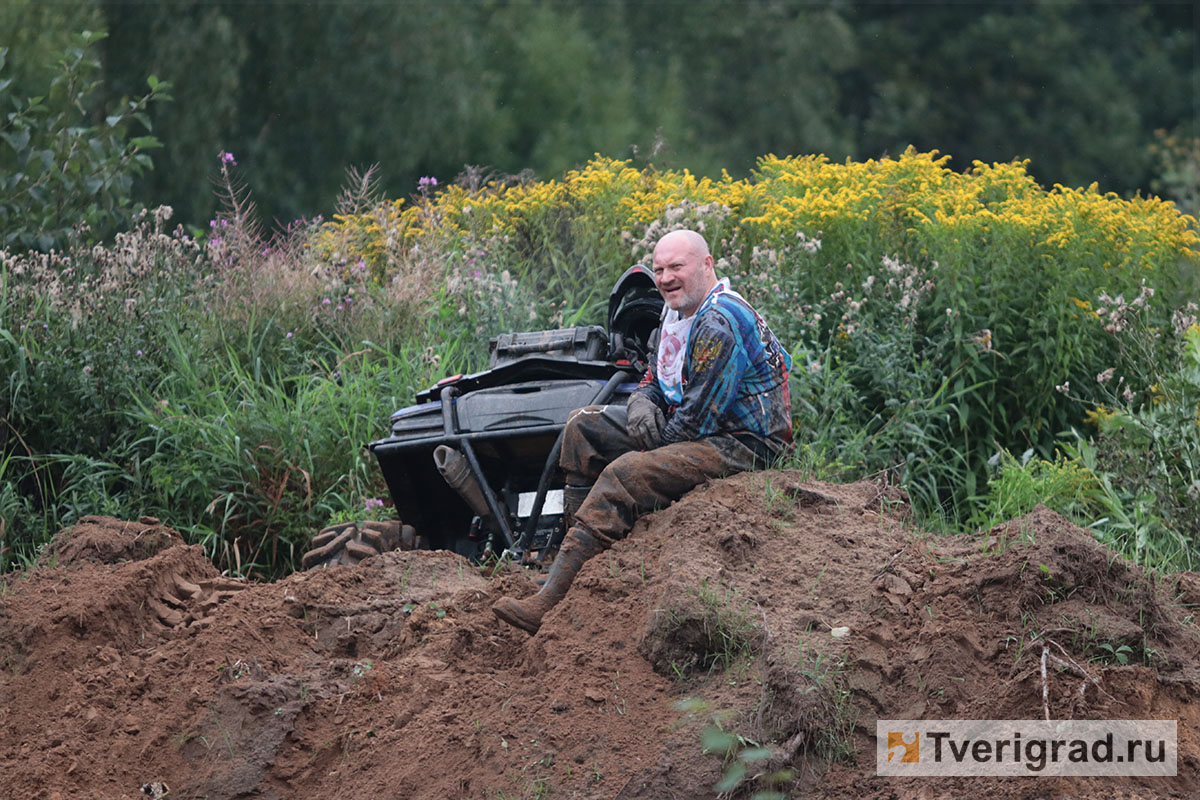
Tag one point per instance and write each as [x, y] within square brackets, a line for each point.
[350, 542]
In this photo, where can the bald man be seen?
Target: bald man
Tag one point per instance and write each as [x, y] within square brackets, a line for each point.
[713, 402]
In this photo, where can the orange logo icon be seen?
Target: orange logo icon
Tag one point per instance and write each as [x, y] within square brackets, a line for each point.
[911, 747]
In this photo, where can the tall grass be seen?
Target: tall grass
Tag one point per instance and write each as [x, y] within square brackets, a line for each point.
[254, 459]
[229, 398]
[226, 385]
[936, 317]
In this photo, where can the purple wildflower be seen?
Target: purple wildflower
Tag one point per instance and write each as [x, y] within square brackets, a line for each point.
[227, 158]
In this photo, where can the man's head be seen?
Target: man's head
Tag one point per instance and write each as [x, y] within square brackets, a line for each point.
[683, 270]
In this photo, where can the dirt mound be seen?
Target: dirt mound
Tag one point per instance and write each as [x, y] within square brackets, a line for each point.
[106, 540]
[758, 610]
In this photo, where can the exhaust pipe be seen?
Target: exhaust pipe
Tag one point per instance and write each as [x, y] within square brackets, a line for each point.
[454, 468]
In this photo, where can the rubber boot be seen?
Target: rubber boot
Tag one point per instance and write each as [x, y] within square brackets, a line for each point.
[577, 547]
[573, 497]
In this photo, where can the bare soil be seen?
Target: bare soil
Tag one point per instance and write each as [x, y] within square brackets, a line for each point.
[130, 668]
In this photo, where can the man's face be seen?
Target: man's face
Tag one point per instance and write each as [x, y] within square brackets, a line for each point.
[683, 276]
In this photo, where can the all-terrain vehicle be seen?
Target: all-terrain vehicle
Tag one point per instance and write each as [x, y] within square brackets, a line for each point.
[473, 465]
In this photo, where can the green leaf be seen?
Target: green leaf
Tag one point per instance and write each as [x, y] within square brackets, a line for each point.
[751, 754]
[152, 82]
[18, 140]
[735, 773]
[715, 740]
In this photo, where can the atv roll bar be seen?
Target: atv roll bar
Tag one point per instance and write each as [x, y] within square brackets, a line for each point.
[448, 423]
[451, 434]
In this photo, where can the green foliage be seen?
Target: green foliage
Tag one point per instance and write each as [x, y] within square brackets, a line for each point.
[1179, 173]
[1064, 485]
[1040, 76]
[264, 458]
[13, 505]
[541, 86]
[1135, 482]
[82, 333]
[200, 49]
[728, 628]
[1111, 654]
[84, 328]
[226, 387]
[1146, 455]
[743, 760]
[38, 33]
[369, 509]
[64, 165]
[869, 394]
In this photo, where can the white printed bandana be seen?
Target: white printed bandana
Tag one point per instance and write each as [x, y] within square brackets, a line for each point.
[673, 336]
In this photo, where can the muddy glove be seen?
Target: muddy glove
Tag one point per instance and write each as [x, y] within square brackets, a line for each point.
[645, 421]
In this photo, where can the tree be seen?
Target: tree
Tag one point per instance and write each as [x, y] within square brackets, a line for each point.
[67, 162]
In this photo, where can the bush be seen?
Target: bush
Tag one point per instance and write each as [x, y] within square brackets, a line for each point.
[932, 313]
[1063, 484]
[69, 163]
[935, 318]
[225, 386]
[1146, 453]
[85, 333]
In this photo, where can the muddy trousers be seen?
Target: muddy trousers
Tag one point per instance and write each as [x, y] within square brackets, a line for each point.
[626, 482]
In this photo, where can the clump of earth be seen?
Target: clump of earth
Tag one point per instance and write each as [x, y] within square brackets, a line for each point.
[760, 611]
